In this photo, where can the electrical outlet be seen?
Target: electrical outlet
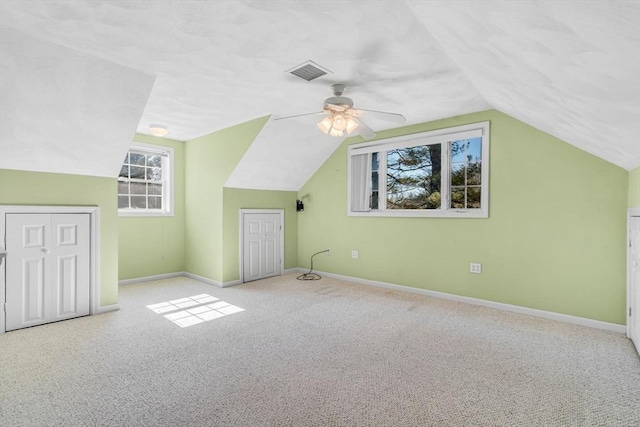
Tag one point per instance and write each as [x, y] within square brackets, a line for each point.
[354, 254]
[475, 268]
[329, 252]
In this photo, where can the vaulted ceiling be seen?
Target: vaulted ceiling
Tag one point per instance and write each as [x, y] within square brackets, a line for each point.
[77, 79]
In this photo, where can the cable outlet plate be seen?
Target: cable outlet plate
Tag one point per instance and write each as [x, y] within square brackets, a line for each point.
[328, 251]
[354, 254]
[475, 268]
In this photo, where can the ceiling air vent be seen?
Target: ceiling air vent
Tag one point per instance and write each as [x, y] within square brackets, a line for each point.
[308, 71]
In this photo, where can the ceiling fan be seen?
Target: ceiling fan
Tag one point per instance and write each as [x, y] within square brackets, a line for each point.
[341, 119]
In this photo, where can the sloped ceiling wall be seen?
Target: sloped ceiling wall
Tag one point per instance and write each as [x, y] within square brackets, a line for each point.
[65, 111]
[571, 69]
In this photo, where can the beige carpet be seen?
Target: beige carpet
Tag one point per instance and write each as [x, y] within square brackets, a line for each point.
[281, 352]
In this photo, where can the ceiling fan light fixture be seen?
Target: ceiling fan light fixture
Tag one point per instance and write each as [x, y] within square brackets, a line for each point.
[336, 133]
[351, 125]
[337, 124]
[325, 124]
[158, 130]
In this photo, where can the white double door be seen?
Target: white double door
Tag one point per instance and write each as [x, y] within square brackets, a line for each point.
[48, 268]
[261, 244]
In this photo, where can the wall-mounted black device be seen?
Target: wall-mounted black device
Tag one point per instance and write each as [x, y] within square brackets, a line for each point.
[299, 205]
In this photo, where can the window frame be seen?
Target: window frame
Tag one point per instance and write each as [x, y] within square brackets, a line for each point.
[167, 154]
[439, 136]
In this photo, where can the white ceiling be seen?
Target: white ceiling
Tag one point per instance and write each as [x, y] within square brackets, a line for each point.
[78, 78]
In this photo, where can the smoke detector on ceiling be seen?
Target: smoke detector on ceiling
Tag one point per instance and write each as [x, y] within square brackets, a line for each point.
[308, 71]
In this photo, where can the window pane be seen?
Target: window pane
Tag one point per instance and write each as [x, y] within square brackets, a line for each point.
[155, 189]
[375, 166]
[139, 202]
[457, 174]
[155, 202]
[457, 198]
[458, 151]
[137, 172]
[473, 198]
[138, 188]
[123, 188]
[154, 161]
[154, 174]
[474, 173]
[123, 202]
[126, 159]
[137, 159]
[124, 172]
[413, 177]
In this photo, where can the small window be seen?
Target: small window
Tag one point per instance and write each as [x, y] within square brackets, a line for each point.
[442, 173]
[145, 181]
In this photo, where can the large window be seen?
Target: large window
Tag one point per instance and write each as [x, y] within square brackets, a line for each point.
[441, 173]
[145, 181]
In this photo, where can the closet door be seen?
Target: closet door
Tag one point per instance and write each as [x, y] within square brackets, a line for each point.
[47, 274]
[262, 240]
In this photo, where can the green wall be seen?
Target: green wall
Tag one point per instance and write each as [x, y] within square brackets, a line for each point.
[235, 199]
[152, 245]
[209, 160]
[36, 188]
[554, 239]
[634, 188]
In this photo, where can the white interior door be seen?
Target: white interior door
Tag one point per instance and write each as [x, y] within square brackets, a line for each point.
[261, 245]
[48, 268]
[634, 281]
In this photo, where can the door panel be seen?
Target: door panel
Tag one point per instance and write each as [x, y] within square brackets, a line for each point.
[67, 285]
[254, 260]
[32, 290]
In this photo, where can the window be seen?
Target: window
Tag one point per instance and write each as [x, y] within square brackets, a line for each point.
[441, 173]
[145, 182]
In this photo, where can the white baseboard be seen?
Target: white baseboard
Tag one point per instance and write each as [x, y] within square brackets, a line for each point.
[150, 278]
[179, 274]
[582, 321]
[202, 279]
[108, 308]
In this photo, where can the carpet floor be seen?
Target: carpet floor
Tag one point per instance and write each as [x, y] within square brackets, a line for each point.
[282, 352]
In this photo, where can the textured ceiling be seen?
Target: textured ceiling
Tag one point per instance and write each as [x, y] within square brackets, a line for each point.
[571, 69]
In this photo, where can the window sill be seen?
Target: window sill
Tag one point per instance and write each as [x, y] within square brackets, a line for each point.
[142, 213]
[435, 213]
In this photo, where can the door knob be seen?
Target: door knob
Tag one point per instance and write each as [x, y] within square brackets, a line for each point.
[45, 250]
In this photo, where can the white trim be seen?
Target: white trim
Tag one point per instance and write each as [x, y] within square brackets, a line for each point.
[125, 282]
[108, 308]
[206, 280]
[231, 283]
[94, 247]
[582, 321]
[241, 245]
[630, 212]
[203, 279]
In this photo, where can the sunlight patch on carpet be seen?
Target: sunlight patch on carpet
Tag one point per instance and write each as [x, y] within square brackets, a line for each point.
[192, 310]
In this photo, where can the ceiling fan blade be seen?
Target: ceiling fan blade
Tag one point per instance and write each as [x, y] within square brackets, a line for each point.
[382, 115]
[363, 129]
[319, 113]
